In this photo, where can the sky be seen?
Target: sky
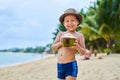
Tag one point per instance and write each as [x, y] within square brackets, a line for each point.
[31, 23]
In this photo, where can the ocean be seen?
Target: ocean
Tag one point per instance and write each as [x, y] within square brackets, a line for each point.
[9, 58]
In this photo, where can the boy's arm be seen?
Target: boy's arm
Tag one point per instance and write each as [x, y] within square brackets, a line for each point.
[81, 45]
[57, 43]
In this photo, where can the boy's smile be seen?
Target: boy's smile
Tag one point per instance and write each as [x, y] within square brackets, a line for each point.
[70, 22]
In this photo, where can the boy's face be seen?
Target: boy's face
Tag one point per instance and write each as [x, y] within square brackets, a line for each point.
[70, 22]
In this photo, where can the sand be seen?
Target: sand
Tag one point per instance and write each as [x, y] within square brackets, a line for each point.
[107, 68]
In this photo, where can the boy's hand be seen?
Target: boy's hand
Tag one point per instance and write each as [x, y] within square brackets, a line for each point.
[76, 45]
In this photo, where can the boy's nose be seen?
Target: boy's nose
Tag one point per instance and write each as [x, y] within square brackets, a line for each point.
[70, 23]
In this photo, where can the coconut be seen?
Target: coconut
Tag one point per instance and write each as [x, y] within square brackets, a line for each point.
[68, 40]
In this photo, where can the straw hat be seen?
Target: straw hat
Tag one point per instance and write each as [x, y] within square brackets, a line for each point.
[73, 12]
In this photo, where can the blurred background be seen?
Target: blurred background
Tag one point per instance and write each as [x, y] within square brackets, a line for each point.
[31, 26]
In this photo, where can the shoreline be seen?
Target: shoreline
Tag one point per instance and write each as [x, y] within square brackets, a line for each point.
[107, 68]
[28, 61]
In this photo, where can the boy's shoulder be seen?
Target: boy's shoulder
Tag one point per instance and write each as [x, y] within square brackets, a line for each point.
[60, 33]
[79, 34]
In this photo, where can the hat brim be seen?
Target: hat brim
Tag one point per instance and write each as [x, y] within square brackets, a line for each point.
[78, 16]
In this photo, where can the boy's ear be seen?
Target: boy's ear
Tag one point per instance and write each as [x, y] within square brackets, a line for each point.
[77, 24]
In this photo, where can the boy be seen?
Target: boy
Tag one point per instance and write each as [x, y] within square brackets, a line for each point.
[67, 65]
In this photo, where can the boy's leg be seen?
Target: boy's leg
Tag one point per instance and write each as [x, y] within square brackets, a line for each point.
[70, 78]
[60, 72]
[71, 71]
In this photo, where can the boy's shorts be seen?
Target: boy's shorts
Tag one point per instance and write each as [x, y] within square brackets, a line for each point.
[67, 69]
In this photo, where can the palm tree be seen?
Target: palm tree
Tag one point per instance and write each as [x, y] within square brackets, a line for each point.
[108, 18]
[102, 21]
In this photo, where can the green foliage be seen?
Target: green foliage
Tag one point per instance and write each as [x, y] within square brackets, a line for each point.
[102, 21]
[105, 31]
[107, 50]
[55, 34]
[87, 31]
[26, 50]
[116, 46]
[61, 27]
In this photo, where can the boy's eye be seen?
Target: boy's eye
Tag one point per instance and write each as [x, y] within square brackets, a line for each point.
[73, 20]
[67, 21]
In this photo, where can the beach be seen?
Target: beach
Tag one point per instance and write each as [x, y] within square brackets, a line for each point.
[107, 68]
